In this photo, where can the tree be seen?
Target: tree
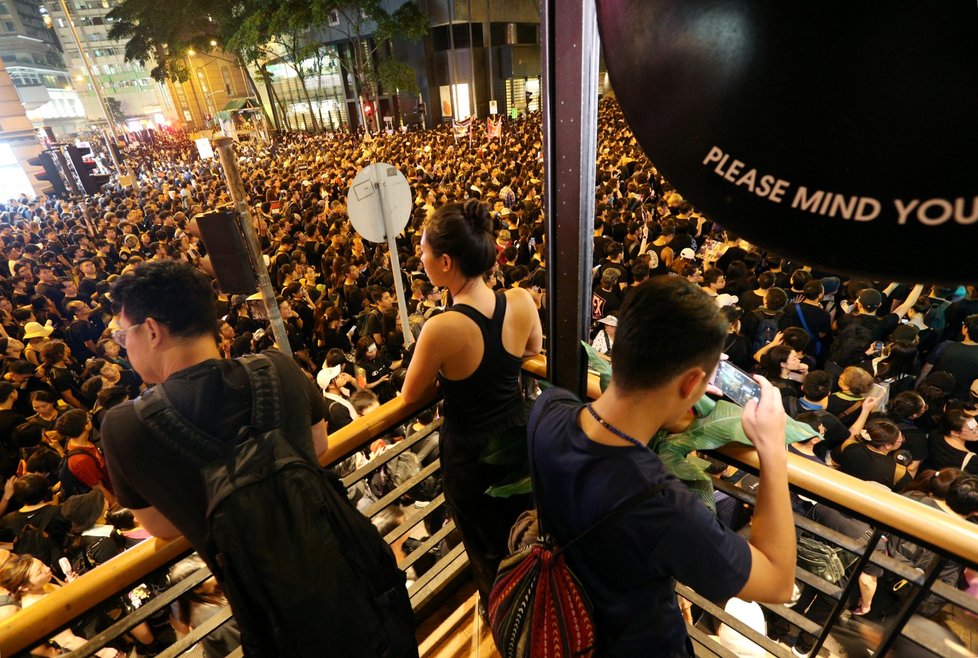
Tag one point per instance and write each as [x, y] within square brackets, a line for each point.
[283, 25]
[369, 29]
[115, 109]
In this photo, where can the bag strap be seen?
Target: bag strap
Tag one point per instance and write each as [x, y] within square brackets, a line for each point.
[621, 510]
[804, 324]
[156, 412]
[967, 460]
[852, 408]
[630, 504]
[266, 412]
[165, 424]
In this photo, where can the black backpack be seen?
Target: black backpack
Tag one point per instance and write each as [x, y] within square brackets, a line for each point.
[306, 574]
[767, 329]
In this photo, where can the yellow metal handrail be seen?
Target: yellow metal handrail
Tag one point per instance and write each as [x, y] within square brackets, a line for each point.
[908, 517]
[55, 610]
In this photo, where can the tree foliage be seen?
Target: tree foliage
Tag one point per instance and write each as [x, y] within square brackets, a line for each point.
[162, 31]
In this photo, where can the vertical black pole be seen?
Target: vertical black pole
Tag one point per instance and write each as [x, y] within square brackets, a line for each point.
[570, 118]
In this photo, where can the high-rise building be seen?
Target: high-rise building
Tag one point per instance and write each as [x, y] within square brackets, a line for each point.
[133, 96]
[34, 62]
[18, 144]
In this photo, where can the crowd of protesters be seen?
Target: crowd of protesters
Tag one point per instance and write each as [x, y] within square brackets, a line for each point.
[884, 371]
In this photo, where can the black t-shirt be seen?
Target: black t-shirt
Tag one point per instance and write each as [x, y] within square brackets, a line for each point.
[880, 327]
[750, 301]
[840, 407]
[818, 320]
[604, 302]
[9, 453]
[941, 454]
[47, 518]
[214, 395]
[961, 361]
[914, 438]
[859, 461]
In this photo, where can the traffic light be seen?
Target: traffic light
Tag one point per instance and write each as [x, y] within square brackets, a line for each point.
[368, 109]
[227, 256]
[50, 174]
[90, 181]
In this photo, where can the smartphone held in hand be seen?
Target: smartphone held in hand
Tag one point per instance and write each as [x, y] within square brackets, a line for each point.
[736, 384]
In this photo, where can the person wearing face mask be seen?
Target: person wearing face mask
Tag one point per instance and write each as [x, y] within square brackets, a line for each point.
[377, 367]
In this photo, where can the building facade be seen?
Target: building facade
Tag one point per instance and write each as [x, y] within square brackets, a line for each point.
[215, 80]
[34, 62]
[478, 58]
[18, 143]
[138, 101]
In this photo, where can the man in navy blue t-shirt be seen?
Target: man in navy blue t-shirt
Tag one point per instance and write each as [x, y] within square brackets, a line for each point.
[587, 460]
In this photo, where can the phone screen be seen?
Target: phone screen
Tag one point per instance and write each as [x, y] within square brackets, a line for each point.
[736, 384]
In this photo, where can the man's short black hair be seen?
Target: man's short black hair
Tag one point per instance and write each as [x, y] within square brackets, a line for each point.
[817, 385]
[813, 290]
[775, 299]
[32, 489]
[971, 324]
[6, 388]
[667, 325]
[172, 293]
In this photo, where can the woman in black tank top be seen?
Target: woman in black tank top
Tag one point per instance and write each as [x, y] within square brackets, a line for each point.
[482, 395]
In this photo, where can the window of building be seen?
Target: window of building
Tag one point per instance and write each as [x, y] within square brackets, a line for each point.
[9, 26]
[3, 8]
[461, 34]
[440, 39]
[97, 20]
[226, 76]
[526, 33]
[333, 18]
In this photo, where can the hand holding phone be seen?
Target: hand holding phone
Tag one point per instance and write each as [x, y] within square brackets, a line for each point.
[736, 384]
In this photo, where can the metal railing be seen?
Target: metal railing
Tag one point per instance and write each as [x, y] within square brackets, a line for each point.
[886, 513]
[57, 610]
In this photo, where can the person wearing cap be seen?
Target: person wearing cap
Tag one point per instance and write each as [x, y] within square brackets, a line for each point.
[606, 297]
[867, 305]
[333, 380]
[960, 358]
[605, 339]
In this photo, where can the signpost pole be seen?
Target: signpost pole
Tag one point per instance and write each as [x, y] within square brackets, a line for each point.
[389, 224]
[225, 150]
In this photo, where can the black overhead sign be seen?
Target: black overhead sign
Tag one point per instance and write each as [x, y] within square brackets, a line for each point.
[844, 134]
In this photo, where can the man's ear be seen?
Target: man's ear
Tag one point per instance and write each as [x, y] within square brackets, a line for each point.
[154, 330]
[690, 382]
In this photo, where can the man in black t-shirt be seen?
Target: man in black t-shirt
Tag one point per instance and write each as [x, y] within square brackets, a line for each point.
[958, 358]
[168, 327]
[810, 316]
[865, 312]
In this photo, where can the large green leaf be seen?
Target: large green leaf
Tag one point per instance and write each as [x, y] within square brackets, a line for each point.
[519, 486]
[599, 365]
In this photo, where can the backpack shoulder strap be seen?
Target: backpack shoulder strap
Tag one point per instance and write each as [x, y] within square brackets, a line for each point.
[166, 425]
[266, 411]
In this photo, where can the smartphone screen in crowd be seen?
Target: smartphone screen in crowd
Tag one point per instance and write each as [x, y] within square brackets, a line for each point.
[736, 384]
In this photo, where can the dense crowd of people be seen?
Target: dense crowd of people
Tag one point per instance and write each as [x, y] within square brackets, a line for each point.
[885, 372]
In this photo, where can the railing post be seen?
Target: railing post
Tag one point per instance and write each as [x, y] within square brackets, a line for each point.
[570, 119]
[909, 607]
